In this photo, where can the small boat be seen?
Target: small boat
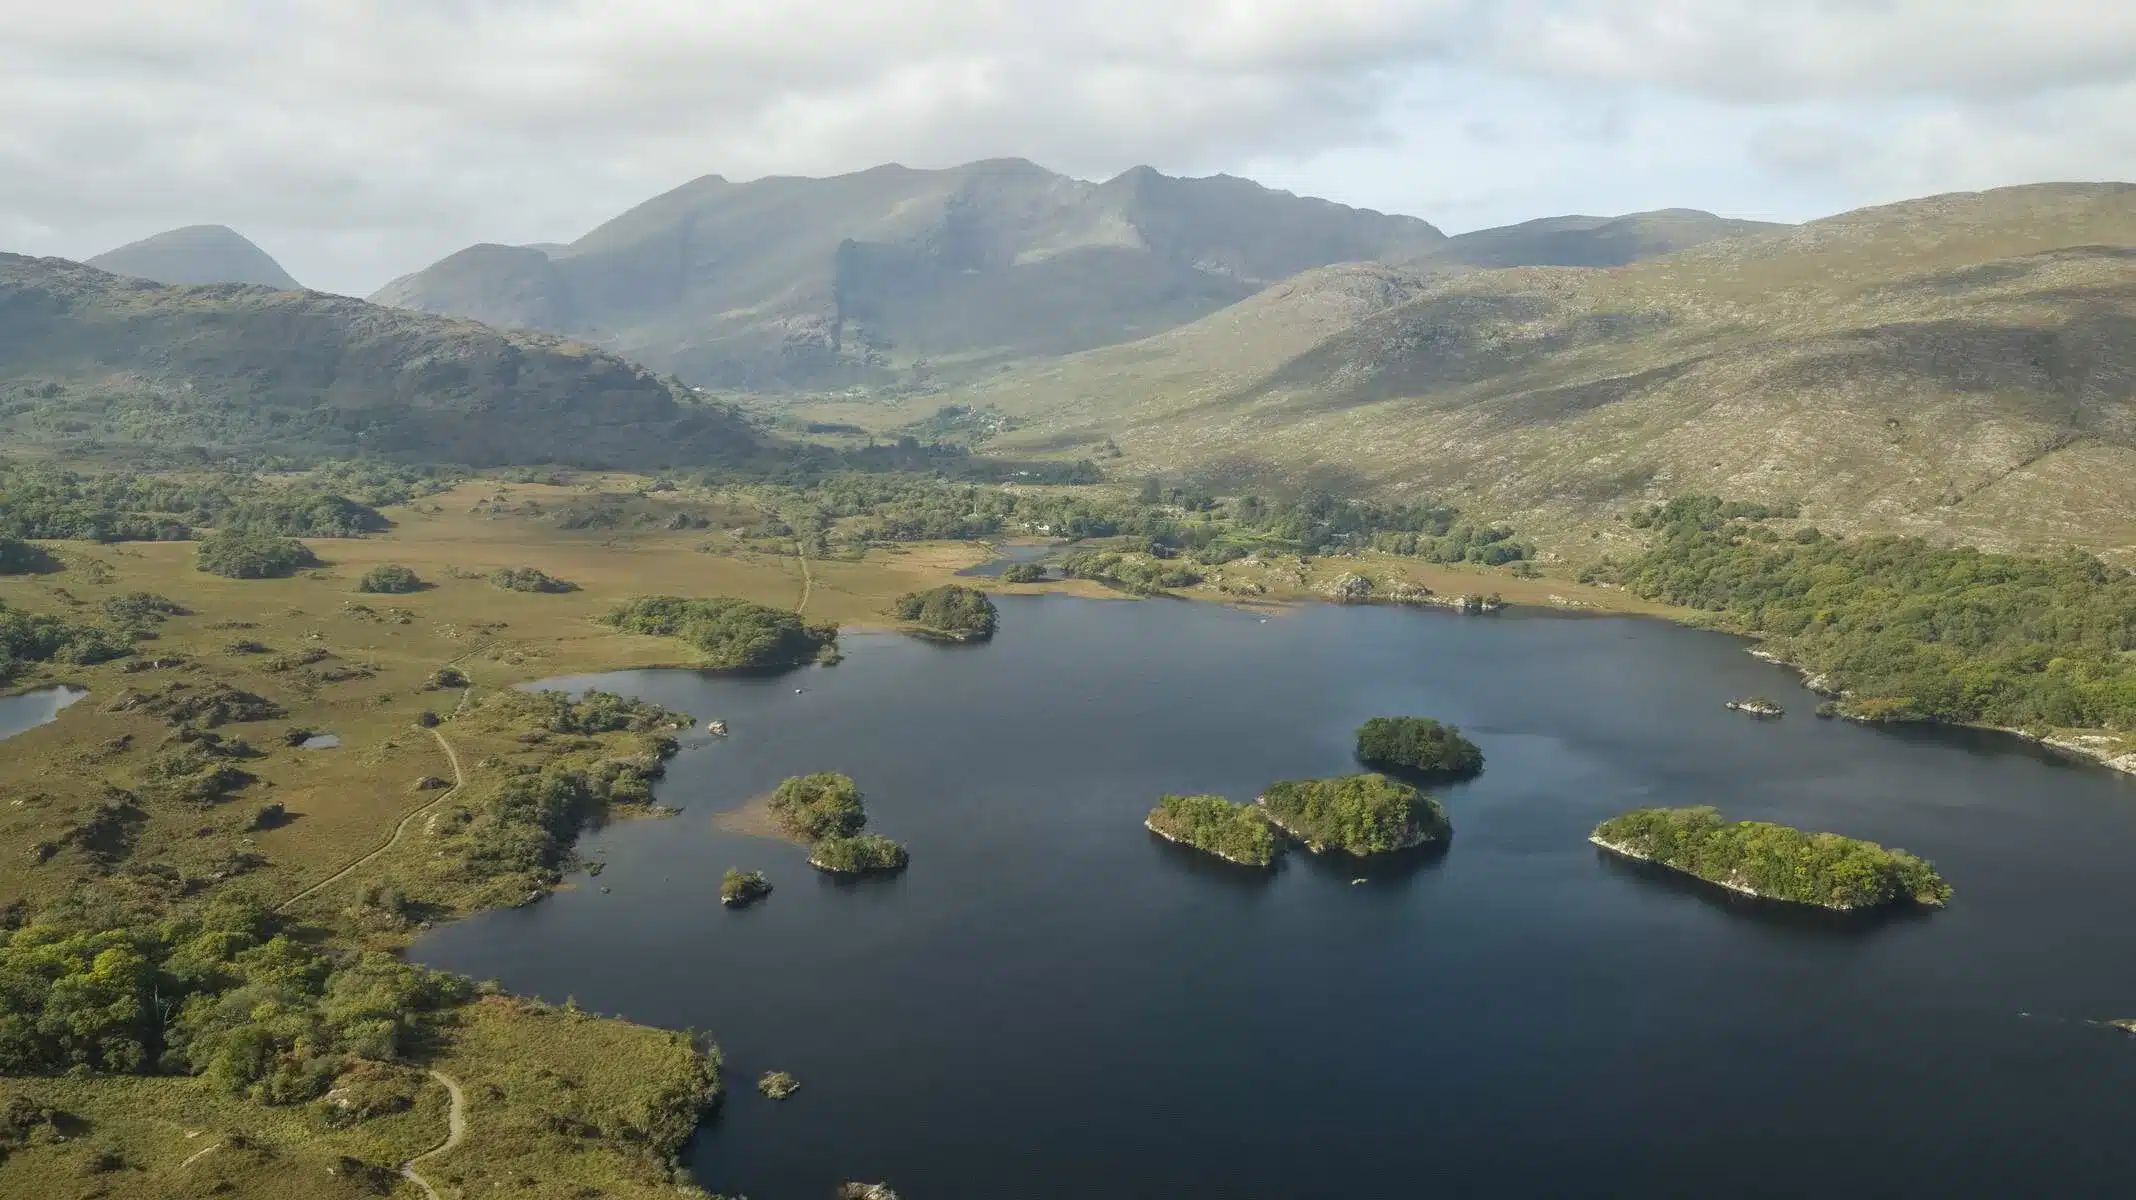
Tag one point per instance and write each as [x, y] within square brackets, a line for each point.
[798, 691]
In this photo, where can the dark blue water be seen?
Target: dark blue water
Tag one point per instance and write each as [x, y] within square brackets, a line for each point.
[21, 713]
[1053, 1003]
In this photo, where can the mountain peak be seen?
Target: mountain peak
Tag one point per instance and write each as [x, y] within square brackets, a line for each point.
[196, 254]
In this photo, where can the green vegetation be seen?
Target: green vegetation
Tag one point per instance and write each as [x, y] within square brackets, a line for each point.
[1140, 575]
[1238, 832]
[952, 612]
[530, 579]
[732, 634]
[1904, 630]
[862, 854]
[1026, 572]
[778, 1085]
[389, 579]
[122, 506]
[41, 637]
[1356, 814]
[1774, 861]
[814, 807]
[1417, 744]
[253, 556]
[739, 889]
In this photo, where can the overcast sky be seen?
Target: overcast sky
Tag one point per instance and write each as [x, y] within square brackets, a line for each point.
[359, 139]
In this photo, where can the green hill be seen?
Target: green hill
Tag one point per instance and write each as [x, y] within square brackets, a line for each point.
[90, 361]
[1959, 365]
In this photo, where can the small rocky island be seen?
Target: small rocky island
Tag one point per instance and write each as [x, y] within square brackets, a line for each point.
[1774, 862]
[824, 812]
[740, 889]
[950, 613]
[1757, 706]
[778, 1085]
[1358, 815]
[1418, 744]
[1237, 833]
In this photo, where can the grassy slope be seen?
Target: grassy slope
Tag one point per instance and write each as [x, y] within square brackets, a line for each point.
[345, 800]
[1959, 365]
[90, 358]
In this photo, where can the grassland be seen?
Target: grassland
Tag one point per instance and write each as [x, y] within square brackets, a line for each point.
[363, 667]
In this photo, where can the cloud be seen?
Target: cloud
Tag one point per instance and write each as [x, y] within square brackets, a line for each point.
[356, 139]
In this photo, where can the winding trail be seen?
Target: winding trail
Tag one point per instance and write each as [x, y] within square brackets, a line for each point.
[459, 780]
[455, 1133]
[808, 578]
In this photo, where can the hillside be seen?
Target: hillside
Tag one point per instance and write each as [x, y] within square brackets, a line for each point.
[1579, 241]
[1962, 365]
[894, 274]
[91, 359]
[196, 254]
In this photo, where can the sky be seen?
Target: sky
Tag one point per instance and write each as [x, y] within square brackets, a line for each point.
[356, 140]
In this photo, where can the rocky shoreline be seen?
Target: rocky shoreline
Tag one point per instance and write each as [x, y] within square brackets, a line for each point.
[1737, 888]
[1176, 840]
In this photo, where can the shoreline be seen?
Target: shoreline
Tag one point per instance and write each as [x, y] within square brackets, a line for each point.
[2120, 761]
[1737, 888]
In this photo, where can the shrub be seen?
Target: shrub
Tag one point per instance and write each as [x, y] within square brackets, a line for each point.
[389, 579]
[861, 855]
[253, 556]
[530, 579]
[823, 805]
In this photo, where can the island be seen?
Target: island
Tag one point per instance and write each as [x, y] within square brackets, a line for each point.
[1757, 706]
[731, 634]
[950, 613]
[1775, 862]
[1025, 572]
[1238, 833]
[814, 807]
[863, 854]
[740, 889]
[1358, 815]
[778, 1085]
[1418, 744]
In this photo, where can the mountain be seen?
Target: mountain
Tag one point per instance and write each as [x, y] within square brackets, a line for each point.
[1589, 241]
[895, 274]
[1960, 366]
[89, 358]
[196, 254]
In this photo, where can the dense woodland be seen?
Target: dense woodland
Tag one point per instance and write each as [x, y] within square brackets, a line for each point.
[1417, 744]
[1775, 861]
[952, 612]
[121, 506]
[814, 807]
[27, 638]
[1906, 630]
[1213, 824]
[731, 634]
[1356, 814]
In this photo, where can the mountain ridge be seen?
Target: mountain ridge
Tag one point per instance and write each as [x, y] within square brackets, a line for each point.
[195, 254]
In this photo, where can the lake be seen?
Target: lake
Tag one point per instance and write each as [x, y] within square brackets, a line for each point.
[26, 711]
[1052, 1002]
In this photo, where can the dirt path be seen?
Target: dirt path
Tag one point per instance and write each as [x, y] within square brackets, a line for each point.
[459, 780]
[808, 578]
[455, 1133]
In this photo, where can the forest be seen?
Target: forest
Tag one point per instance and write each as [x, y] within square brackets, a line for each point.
[1358, 815]
[1903, 630]
[1418, 744]
[1212, 824]
[1775, 861]
[731, 634]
